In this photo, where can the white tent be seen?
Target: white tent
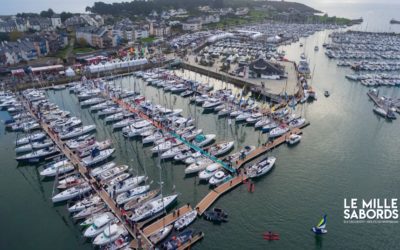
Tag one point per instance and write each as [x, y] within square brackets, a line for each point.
[69, 72]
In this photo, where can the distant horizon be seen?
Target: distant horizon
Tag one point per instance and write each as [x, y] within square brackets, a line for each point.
[12, 7]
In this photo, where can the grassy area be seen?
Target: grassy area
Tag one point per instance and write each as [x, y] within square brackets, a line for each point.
[149, 39]
[253, 16]
[83, 50]
[62, 53]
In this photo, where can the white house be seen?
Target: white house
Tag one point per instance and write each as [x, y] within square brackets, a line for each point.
[56, 21]
[192, 25]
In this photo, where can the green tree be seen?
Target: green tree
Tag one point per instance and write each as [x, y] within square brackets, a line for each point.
[48, 13]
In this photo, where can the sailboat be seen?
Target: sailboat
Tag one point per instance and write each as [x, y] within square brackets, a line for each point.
[321, 227]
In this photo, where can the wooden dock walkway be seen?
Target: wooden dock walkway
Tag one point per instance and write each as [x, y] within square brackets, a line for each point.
[75, 160]
[166, 220]
[267, 147]
[214, 194]
[192, 241]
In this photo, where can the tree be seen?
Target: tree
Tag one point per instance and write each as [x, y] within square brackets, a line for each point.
[65, 15]
[48, 13]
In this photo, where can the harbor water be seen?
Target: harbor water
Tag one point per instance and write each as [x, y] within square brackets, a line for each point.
[347, 152]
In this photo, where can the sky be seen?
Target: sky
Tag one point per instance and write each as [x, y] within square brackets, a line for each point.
[10, 7]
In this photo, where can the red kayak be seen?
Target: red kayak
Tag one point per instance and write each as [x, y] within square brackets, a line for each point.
[271, 236]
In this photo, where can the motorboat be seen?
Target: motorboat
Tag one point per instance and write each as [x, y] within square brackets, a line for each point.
[129, 183]
[99, 224]
[185, 220]
[261, 168]
[58, 168]
[71, 193]
[203, 140]
[218, 178]
[209, 171]
[216, 215]
[131, 194]
[38, 155]
[198, 166]
[97, 156]
[160, 234]
[278, 131]
[110, 234]
[293, 139]
[152, 208]
[97, 171]
[221, 148]
[178, 240]
[77, 132]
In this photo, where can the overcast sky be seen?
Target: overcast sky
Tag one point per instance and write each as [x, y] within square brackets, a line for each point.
[14, 6]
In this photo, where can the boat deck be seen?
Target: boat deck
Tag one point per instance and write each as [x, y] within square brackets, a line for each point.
[166, 220]
[214, 194]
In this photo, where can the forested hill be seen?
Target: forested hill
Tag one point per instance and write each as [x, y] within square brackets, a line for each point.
[141, 7]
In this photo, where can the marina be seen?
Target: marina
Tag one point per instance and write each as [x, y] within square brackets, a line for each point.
[155, 131]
